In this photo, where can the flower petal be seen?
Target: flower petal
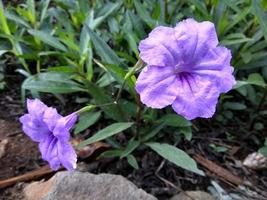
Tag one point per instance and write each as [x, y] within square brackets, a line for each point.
[34, 128]
[157, 86]
[216, 64]
[195, 38]
[49, 152]
[160, 47]
[51, 117]
[36, 108]
[67, 155]
[63, 125]
[197, 96]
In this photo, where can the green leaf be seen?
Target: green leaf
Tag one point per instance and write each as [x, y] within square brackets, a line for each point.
[16, 19]
[3, 20]
[153, 132]
[175, 120]
[107, 10]
[103, 50]
[131, 146]
[253, 79]
[200, 5]
[86, 120]
[51, 82]
[263, 151]
[48, 39]
[176, 156]
[45, 4]
[261, 16]
[256, 79]
[187, 132]
[234, 106]
[111, 153]
[132, 161]
[107, 132]
[144, 14]
[31, 11]
[114, 111]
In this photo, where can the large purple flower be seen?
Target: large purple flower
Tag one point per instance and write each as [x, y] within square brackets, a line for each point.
[44, 125]
[186, 68]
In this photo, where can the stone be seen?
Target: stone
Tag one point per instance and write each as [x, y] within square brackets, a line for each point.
[82, 186]
[196, 195]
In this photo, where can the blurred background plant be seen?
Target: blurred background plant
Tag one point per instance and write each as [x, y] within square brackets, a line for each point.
[89, 49]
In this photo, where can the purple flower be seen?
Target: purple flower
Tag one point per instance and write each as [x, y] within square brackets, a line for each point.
[186, 68]
[44, 125]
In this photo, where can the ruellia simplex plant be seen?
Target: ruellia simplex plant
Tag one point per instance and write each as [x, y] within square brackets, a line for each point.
[144, 85]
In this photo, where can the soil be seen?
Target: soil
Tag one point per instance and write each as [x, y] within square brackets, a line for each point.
[156, 176]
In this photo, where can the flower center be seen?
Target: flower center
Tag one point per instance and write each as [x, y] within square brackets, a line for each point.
[179, 68]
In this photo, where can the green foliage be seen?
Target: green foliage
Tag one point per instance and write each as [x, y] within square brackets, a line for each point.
[176, 156]
[107, 132]
[90, 48]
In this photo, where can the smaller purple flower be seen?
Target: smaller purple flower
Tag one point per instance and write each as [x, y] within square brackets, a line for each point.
[51, 130]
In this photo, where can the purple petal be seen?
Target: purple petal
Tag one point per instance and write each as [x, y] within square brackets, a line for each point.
[49, 152]
[34, 128]
[157, 86]
[67, 155]
[51, 117]
[216, 64]
[63, 125]
[160, 47]
[36, 108]
[197, 96]
[195, 39]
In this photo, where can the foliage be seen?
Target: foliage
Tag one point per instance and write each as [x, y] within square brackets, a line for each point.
[91, 47]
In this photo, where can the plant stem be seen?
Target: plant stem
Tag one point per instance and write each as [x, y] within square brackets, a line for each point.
[127, 76]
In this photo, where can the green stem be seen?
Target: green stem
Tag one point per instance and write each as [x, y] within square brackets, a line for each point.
[138, 65]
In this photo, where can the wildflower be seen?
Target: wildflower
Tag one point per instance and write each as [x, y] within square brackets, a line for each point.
[186, 68]
[44, 125]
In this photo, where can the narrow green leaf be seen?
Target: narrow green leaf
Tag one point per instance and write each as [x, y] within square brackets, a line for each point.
[256, 79]
[132, 161]
[45, 4]
[107, 10]
[261, 16]
[16, 19]
[200, 5]
[175, 120]
[131, 146]
[111, 153]
[48, 39]
[107, 132]
[253, 79]
[51, 82]
[263, 151]
[153, 132]
[114, 111]
[144, 14]
[86, 120]
[234, 106]
[176, 156]
[3, 19]
[103, 50]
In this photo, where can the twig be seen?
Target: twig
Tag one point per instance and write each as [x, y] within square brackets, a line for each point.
[33, 175]
[223, 174]
[45, 170]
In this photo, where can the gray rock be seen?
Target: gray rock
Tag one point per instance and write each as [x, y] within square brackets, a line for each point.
[195, 195]
[83, 186]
